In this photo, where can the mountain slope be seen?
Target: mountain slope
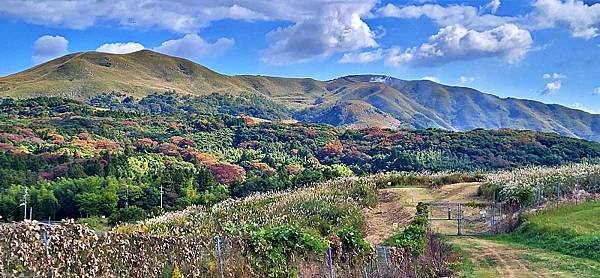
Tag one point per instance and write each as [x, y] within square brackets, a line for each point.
[423, 104]
[350, 101]
[349, 113]
[82, 75]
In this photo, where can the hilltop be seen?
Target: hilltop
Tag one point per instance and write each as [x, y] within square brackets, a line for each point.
[355, 101]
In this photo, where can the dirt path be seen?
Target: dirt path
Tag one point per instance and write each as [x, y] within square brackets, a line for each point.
[495, 259]
[458, 192]
[505, 261]
[397, 206]
[389, 215]
[487, 258]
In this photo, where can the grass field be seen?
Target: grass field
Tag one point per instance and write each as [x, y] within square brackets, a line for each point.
[569, 229]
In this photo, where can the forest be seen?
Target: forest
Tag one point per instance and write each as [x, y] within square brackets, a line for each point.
[122, 159]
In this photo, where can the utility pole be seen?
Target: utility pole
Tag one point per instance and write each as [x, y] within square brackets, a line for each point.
[24, 203]
[161, 197]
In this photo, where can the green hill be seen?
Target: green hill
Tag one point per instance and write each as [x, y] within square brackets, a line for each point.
[350, 101]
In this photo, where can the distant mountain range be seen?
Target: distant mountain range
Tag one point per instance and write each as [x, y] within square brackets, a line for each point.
[351, 101]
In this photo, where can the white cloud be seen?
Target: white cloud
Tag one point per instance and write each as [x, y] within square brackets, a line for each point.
[318, 28]
[466, 79]
[492, 6]
[551, 87]
[467, 16]
[456, 42]
[335, 28]
[431, 78]
[181, 16]
[362, 57]
[49, 47]
[120, 48]
[554, 84]
[580, 18]
[597, 91]
[554, 75]
[193, 46]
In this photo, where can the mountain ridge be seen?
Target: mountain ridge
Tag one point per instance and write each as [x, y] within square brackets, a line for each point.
[354, 101]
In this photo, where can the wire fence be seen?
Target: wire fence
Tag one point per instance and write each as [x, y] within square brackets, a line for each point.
[34, 249]
[486, 218]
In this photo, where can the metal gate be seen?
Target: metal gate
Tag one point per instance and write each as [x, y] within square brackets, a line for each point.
[459, 218]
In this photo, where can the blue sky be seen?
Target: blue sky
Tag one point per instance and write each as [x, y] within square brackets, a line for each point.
[545, 50]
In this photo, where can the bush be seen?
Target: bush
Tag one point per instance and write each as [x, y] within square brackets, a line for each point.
[276, 249]
[127, 214]
[353, 243]
[414, 236]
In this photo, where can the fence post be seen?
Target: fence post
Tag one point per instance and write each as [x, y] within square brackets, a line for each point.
[459, 218]
[493, 218]
[330, 263]
[219, 250]
[386, 257]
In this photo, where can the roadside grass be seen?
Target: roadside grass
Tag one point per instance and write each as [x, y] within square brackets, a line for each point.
[568, 229]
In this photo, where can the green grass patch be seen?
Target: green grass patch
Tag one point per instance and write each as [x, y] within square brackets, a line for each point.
[570, 229]
[556, 263]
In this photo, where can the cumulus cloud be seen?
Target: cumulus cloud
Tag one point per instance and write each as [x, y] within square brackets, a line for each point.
[492, 6]
[580, 18]
[466, 79]
[120, 48]
[336, 28]
[180, 15]
[554, 75]
[47, 47]
[362, 57]
[554, 82]
[467, 16]
[551, 87]
[193, 46]
[456, 42]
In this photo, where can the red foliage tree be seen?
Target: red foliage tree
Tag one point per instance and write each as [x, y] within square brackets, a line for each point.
[227, 173]
[332, 148]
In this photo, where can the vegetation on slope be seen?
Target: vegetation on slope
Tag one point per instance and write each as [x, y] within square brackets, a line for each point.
[274, 238]
[537, 185]
[114, 159]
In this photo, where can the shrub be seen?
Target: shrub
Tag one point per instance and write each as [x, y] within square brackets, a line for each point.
[414, 236]
[127, 214]
[353, 243]
[276, 249]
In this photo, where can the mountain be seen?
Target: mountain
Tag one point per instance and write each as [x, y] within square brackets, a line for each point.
[351, 101]
[85, 74]
[349, 113]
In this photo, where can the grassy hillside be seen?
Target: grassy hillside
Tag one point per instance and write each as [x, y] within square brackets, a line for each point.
[568, 229]
[83, 75]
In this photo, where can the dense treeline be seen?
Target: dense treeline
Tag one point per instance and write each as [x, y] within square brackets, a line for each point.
[114, 156]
